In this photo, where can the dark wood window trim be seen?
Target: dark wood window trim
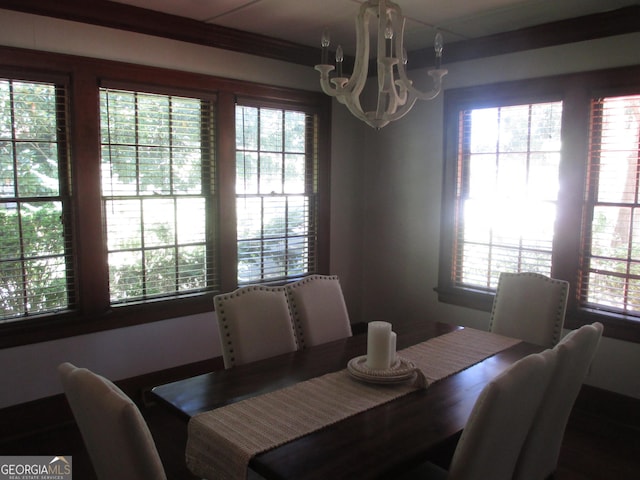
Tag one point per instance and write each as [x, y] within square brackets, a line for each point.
[127, 17]
[576, 91]
[85, 75]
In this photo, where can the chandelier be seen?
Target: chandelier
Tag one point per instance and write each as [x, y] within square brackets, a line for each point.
[396, 93]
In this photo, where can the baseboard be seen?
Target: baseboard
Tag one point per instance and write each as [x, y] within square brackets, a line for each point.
[33, 417]
[51, 412]
[612, 406]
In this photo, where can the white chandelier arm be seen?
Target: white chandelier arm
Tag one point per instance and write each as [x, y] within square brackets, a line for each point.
[391, 94]
[353, 104]
[408, 105]
[347, 90]
[340, 92]
[400, 88]
[324, 79]
[387, 95]
[358, 78]
[437, 77]
[435, 74]
[355, 83]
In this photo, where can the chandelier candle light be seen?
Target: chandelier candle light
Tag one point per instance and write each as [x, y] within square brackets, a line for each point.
[396, 96]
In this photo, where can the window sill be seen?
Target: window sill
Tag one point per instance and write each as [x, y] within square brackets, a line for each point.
[466, 297]
[619, 327]
[69, 324]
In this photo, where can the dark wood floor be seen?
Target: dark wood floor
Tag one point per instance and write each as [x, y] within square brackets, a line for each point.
[593, 448]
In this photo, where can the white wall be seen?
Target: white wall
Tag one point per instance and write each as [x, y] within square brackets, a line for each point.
[29, 372]
[403, 197]
[348, 167]
[61, 36]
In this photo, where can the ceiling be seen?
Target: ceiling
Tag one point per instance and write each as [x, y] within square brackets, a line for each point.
[303, 21]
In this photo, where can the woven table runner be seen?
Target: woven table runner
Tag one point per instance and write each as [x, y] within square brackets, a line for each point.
[222, 441]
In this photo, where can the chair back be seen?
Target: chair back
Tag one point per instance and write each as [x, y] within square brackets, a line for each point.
[115, 433]
[529, 306]
[501, 417]
[319, 311]
[541, 450]
[254, 323]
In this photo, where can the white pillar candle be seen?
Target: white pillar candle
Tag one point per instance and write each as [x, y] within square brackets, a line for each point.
[392, 347]
[378, 343]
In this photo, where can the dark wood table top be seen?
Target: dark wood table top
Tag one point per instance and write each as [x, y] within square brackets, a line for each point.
[374, 444]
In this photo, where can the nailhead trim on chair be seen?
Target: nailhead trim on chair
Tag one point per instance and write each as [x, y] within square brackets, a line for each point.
[294, 308]
[557, 329]
[223, 319]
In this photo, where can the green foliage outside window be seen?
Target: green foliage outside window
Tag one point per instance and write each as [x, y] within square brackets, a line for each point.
[153, 173]
[33, 251]
[274, 195]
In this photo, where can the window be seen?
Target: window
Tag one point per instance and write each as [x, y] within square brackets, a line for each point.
[118, 200]
[157, 186]
[544, 175]
[36, 260]
[507, 193]
[276, 165]
[611, 268]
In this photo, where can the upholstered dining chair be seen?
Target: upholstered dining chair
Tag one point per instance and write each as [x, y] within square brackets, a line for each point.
[575, 352]
[114, 431]
[319, 311]
[254, 323]
[501, 417]
[529, 306]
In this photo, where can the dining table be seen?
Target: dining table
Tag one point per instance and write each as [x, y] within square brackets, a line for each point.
[381, 440]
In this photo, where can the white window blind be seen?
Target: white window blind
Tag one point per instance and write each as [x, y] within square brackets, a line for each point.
[157, 187]
[506, 193]
[276, 183]
[36, 262]
[611, 269]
